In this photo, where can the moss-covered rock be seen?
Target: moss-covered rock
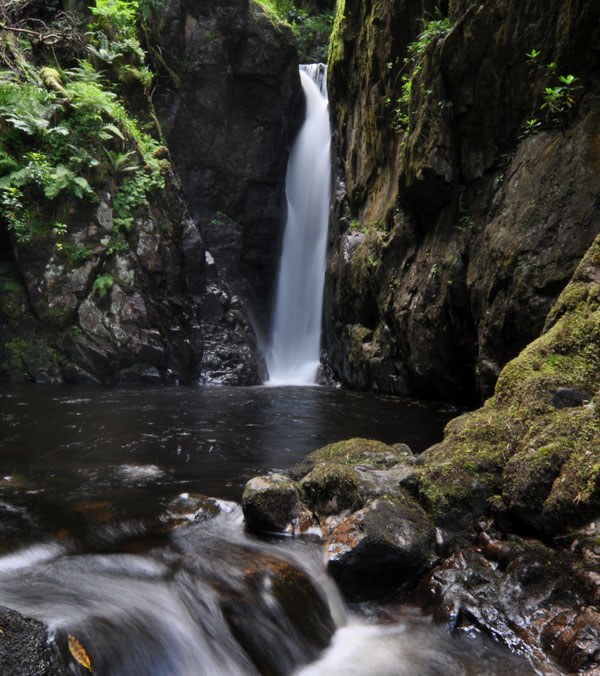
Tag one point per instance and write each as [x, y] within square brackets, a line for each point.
[331, 488]
[542, 458]
[272, 504]
[359, 452]
[470, 228]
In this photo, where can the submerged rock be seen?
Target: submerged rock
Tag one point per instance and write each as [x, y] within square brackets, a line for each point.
[274, 609]
[280, 598]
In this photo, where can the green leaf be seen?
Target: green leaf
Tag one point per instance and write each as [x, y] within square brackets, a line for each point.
[114, 130]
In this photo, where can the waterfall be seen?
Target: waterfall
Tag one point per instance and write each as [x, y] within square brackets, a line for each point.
[295, 340]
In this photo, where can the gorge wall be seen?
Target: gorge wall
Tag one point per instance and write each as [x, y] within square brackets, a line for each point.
[229, 102]
[105, 276]
[458, 222]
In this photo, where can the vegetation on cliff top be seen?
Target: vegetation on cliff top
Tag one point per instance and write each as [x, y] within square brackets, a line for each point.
[81, 160]
[311, 24]
[65, 129]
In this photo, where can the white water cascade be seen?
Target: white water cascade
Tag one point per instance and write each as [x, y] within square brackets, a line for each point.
[295, 340]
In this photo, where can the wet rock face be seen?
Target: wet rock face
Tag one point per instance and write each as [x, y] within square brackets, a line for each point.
[455, 232]
[523, 595]
[371, 551]
[290, 591]
[272, 607]
[146, 307]
[228, 98]
[25, 648]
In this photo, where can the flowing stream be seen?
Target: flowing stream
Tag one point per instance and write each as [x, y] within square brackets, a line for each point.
[106, 536]
[294, 350]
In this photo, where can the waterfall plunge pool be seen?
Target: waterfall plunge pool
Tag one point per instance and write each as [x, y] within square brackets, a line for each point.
[86, 475]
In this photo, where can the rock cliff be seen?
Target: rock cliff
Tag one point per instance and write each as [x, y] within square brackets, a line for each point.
[468, 185]
[229, 100]
[105, 277]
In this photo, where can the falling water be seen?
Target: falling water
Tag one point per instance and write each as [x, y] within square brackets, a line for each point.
[296, 328]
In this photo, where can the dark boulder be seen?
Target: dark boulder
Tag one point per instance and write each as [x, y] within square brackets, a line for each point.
[381, 548]
[272, 504]
[25, 647]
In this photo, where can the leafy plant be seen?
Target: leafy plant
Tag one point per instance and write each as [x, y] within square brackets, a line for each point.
[558, 100]
[114, 17]
[311, 29]
[62, 178]
[433, 28]
[65, 133]
[148, 7]
[29, 108]
[534, 59]
[81, 254]
[118, 165]
[531, 127]
[103, 284]
[17, 216]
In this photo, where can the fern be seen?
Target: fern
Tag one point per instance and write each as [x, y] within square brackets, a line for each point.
[85, 72]
[62, 178]
[7, 163]
[91, 97]
[29, 108]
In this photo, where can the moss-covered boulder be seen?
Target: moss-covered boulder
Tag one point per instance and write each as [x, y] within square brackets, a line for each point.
[538, 458]
[356, 452]
[331, 488]
[272, 504]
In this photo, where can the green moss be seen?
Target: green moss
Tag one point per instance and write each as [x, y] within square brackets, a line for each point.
[28, 357]
[336, 42]
[331, 488]
[13, 296]
[471, 458]
[518, 445]
[358, 451]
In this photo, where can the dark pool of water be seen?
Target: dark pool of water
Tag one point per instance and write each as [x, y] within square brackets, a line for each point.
[133, 446]
[87, 476]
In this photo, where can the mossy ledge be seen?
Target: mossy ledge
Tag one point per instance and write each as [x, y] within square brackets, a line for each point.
[532, 452]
